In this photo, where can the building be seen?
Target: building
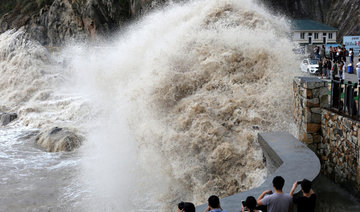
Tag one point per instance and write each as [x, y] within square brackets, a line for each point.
[306, 31]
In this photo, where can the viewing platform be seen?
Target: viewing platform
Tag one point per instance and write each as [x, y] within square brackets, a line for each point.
[285, 156]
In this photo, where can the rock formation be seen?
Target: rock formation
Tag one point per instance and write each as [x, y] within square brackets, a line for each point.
[6, 118]
[59, 139]
[54, 21]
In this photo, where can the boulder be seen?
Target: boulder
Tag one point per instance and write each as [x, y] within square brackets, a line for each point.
[59, 139]
[6, 118]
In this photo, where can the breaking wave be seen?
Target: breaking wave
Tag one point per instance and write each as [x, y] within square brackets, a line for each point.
[170, 108]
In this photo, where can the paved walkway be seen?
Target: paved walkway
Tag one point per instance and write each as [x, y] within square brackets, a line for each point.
[348, 77]
[332, 198]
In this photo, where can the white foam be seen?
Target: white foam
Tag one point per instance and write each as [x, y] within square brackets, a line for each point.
[168, 105]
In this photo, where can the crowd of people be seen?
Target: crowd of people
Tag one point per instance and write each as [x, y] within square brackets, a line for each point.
[267, 201]
[337, 62]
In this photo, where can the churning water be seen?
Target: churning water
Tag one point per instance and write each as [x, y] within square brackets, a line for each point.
[170, 109]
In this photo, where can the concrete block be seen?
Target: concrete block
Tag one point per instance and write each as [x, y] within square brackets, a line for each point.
[315, 118]
[312, 127]
[316, 110]
[324, 101]
[324, 91]
[316, 92]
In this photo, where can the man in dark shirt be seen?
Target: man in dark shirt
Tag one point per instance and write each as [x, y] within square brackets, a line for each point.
[306, 202]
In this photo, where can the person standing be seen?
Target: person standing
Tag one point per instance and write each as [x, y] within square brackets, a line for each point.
[340, 68]
[186, 207]
[358, 71]
[327, 66]
[322, 52]
[306, 202]
[277, 202]
[344, 70]
[323, 75]
[249, 205]
[334, 70]
[214, 204]
[351, 55]
[320, 64]
[331, 51]
[345, 53]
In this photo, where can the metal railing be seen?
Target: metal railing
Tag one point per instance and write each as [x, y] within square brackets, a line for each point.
[344, 98]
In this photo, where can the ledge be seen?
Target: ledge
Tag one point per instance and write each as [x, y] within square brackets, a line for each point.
[310, 82]
[286, 157]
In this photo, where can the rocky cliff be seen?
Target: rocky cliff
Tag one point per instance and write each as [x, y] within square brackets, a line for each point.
[54, 21]
[341, 14]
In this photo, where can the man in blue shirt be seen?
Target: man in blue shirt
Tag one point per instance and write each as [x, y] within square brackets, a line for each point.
[214, 205]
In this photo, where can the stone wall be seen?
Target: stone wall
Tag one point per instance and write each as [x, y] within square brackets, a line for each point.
[339, 149]
[333, 137]
[310, 95]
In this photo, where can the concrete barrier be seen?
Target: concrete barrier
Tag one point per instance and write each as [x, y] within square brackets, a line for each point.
[286, 157]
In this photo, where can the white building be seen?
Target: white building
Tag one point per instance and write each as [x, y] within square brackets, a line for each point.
[305, 31]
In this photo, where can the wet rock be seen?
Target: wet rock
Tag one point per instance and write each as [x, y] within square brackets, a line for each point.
[59, 139]
[52, 22]
[6, 118]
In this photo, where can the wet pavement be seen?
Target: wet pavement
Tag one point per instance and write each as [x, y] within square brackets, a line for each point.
[348, 77]
[331, 197]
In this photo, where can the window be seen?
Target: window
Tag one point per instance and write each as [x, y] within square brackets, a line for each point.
[324, 34]
[330, 35]
[316, 35]
[302, 35]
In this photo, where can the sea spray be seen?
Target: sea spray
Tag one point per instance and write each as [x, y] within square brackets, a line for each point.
[195, 80]
[170, 108]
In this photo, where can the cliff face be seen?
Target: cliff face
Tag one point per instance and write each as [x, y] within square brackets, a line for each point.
[54, 21]
[341, 14]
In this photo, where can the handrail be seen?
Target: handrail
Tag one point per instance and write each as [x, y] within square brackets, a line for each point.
[344, 98]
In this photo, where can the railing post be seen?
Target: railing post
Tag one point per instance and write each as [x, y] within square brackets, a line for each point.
[358, 102]
[352, 96]
[346, 94]
[346, 98]
[332, 94]
[339, 106]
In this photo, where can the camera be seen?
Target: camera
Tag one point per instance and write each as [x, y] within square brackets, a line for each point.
[299, 182]
[244, 204]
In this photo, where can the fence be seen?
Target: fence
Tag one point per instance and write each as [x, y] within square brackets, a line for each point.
[344, 98]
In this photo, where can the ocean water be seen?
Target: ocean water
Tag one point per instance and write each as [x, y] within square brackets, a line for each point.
[170, 108]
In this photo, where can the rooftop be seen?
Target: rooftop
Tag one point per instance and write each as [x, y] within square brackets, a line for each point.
[310, 25]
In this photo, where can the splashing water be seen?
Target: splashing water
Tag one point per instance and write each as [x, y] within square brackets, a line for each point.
[171, 107]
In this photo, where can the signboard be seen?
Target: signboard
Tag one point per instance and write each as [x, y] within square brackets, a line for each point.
[352, 42]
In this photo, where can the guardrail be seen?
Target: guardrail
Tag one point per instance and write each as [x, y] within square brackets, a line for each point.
[344, 98]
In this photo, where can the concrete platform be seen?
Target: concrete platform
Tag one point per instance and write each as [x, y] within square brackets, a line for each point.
[286, 157]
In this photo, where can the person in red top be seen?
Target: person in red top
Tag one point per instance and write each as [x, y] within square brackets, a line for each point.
[306, 202]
